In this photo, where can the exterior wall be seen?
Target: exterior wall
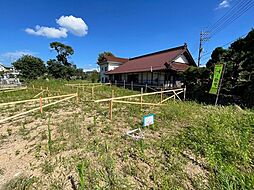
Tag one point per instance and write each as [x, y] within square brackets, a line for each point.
[181, 59]
[102, 72]
[107, 66]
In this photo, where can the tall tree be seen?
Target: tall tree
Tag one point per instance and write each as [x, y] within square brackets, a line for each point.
[30, 67]
[63, 52]
[61, 68]
[101, 56]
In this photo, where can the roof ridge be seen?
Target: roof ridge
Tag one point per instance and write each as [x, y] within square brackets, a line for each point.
[114, 56]
[158, 52]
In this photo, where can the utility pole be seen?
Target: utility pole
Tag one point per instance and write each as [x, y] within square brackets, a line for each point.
[204, 37]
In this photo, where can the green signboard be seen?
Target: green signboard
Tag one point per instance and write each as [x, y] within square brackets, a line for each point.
[216, 78]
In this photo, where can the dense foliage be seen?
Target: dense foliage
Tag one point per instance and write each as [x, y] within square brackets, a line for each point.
[101, 56]
[237, 85]
[30, 67]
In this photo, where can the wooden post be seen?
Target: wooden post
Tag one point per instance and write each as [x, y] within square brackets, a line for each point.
[146, 88]
[92, 93]
[184, 92]
[161, 95]
[41, 87]
[77, 98]
[141, 98]
[115, 82]
[40, 104]
[124, 83]
[131, 85]
[111, 106]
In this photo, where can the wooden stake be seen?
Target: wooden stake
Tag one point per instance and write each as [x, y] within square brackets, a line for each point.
[92, 93]
[131, 85]
[138, 103]
[35, 100]
[137, 95]
[161, 95]
[77, 98]
[123, 83]
[141, 98]
[40, 104]
[35, 109]
[184, 93]
[146, 88]
[111, 106]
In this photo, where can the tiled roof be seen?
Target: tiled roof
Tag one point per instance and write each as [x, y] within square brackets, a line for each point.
[115, 59]
[155, 61]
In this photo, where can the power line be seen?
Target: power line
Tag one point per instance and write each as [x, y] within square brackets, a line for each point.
[236, 11]
[225, 15]
[244, 8]
[207, 53]
[228, 43]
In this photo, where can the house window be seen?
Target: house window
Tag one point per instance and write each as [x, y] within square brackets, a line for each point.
[106, 68]
[101, 68]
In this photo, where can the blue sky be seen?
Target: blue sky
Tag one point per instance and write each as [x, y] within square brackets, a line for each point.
[126, 28]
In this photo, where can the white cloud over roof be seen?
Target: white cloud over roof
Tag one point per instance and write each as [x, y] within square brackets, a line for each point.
[48, 32]
[75, 25]
[71, 24]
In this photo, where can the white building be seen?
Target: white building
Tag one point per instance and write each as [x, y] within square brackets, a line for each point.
[109, 63]
[9, 75]
[3, 68]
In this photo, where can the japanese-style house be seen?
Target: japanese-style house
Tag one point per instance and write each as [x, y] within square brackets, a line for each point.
[155, 69]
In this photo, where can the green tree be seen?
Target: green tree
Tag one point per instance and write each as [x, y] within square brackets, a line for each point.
[63, 52]
[58, 70]
[61, 67]
[30, 67]
[101, 56]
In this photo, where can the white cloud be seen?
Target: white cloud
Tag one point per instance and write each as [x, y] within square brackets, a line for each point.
[75, 25]
[71, 24]
[223, 4]
[91, 69]
[48, 32]
[13, 56]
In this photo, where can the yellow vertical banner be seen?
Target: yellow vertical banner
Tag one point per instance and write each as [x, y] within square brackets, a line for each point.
[216, 78]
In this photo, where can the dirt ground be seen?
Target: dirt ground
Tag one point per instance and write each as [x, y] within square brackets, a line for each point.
[20, 139]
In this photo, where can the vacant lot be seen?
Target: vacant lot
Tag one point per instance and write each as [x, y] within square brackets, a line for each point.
[191, 146]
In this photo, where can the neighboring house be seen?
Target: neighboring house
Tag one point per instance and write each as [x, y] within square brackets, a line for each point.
[109, 63]
[3, 68]
[156, 69]
[9, 75]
